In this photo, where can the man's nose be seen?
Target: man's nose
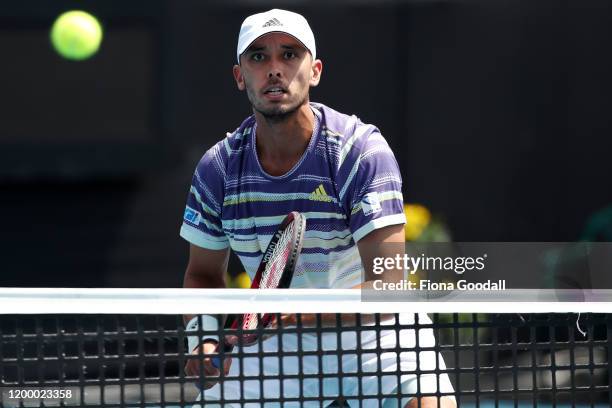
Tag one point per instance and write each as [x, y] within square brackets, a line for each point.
[275, 70]
[274, 73]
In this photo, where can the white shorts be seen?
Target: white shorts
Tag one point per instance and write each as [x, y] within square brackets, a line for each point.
[373, 377]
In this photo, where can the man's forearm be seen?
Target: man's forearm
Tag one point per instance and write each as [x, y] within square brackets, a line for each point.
[194, 281]
[198, 281]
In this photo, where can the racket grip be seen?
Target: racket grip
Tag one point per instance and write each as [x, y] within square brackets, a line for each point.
[216, 361]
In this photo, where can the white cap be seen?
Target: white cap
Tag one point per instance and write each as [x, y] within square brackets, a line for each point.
[273, 21]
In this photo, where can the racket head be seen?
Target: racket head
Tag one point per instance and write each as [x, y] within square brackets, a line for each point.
[280, 258]
[275, 272]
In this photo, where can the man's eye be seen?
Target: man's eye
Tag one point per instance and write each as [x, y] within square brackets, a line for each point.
[290, 55]
[257, 57]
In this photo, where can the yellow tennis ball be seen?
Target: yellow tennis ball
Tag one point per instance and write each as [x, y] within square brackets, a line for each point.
[76, 35]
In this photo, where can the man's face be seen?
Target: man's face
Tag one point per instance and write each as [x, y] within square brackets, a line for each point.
[277, 72]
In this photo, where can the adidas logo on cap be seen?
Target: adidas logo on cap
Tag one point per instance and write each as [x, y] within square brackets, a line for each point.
[272, 23]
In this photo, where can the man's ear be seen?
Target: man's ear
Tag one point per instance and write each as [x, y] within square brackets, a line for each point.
[317, 69]
[238, 77]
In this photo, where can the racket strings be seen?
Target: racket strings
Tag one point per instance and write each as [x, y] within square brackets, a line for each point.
[272, 273]
[278, 260]
[250, 321]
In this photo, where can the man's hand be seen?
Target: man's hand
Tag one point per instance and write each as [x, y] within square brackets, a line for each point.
[210, 372]
[286, 320]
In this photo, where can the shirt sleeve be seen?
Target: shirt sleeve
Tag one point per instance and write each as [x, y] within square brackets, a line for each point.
[376, 199]
[202, 218]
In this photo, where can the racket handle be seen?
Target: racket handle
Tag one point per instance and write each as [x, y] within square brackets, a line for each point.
[216, 361]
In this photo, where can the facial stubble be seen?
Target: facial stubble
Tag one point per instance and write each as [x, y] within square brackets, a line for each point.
[275, 114]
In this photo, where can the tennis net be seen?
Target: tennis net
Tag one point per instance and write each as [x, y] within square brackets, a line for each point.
[124, 348]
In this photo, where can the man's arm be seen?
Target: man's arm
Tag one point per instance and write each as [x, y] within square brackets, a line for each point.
[206, 269]
[386, 242]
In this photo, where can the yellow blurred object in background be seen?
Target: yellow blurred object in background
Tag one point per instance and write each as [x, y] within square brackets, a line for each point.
[242, 280]
[418, 218]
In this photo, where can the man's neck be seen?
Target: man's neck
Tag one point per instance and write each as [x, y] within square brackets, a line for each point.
[280, 145]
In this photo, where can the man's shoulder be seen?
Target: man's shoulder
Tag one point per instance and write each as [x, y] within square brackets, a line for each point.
[239, 137]
[347, 133]
[337, 122]
[222, 153]
[341, 124]
[233, 142]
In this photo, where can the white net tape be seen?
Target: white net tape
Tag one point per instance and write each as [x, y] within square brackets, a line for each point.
[192, 301]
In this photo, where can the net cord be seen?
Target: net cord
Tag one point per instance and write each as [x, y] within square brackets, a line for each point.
[196, 301]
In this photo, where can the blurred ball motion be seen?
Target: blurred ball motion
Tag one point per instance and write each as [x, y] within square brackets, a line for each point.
[76, 35]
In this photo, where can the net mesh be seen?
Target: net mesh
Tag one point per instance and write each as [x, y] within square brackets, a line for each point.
[313, 359]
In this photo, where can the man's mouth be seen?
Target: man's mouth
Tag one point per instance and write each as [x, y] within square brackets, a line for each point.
[275, 90]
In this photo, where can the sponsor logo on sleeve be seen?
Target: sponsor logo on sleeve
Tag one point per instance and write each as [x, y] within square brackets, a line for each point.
[192, 216]
[370, 204]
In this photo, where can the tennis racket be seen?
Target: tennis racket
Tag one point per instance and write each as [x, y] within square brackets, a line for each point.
[275, 271]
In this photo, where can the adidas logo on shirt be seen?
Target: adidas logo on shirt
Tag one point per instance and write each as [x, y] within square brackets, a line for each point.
[272, 23]
[320, 194]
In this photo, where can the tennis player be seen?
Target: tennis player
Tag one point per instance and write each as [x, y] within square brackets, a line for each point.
[296, 155]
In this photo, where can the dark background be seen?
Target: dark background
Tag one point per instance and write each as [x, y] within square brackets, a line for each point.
[498, 112]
